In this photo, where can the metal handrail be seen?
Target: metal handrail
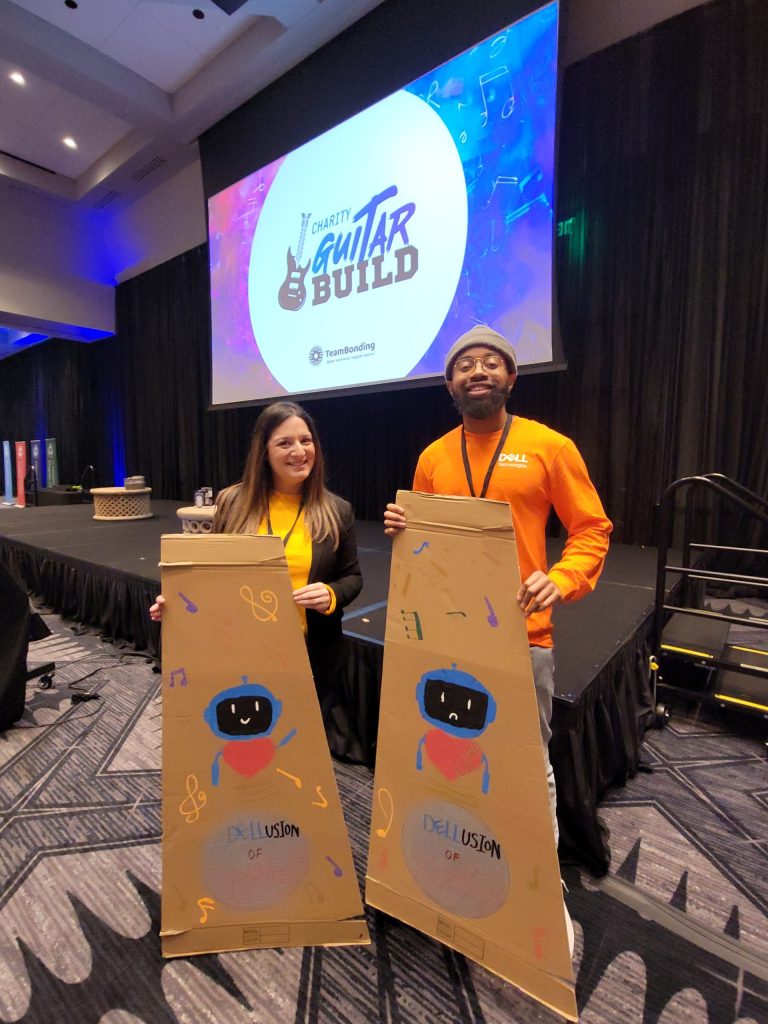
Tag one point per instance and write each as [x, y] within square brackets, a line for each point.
[728, 489]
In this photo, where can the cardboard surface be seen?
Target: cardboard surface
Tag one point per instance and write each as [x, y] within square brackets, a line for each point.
[255, 848]
[461, 844]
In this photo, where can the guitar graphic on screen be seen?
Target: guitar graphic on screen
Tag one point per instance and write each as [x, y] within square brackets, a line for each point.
[292, 291]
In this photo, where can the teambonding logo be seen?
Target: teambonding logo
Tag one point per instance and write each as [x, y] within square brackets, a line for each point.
[356, 258]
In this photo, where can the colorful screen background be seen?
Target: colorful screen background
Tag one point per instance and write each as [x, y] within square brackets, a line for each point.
[498, 101]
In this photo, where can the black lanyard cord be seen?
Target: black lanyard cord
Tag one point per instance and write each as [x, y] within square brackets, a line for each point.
[271, 532]
[491, 464]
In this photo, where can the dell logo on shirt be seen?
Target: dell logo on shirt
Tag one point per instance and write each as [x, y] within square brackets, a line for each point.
[520, 460]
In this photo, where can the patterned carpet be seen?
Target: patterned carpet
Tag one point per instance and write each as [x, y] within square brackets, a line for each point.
[676, 933]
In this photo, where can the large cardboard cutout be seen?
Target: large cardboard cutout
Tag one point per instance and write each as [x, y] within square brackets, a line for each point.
[462, 845]
[255, 849]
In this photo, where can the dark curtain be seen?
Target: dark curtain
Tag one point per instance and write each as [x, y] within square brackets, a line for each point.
[662, 284]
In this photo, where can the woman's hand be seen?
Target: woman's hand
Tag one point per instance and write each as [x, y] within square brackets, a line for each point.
[394, 520]
[156, 610]
[315, 596]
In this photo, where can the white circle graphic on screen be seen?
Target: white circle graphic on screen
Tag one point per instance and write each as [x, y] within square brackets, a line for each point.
[359, 248]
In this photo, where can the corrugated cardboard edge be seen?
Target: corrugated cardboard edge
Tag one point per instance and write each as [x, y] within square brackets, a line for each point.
[277, 934]
[556, 993]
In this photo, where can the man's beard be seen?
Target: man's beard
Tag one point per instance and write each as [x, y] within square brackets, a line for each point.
[481, 407]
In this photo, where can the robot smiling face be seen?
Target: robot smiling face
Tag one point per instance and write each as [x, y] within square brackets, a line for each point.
[244, 716]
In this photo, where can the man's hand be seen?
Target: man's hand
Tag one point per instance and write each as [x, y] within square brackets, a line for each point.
[394, 520]
[537, 593]
[156, 610]
[315, 595]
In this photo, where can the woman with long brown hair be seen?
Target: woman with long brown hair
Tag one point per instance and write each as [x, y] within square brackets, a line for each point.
[283, 492]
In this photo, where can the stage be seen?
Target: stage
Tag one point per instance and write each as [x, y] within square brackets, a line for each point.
[106, 575]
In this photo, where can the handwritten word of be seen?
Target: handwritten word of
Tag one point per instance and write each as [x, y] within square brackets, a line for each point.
[178, 675]
[322, 802]
[336, 869]
[263, 612]
[190, 806]
[412, 627]
[492, 619]
[191, 606]
[388, 810]
[205, 904]
[420, 548]
[294, 778]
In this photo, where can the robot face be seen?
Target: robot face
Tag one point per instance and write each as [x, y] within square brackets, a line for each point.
[244, 716]
[456, 705]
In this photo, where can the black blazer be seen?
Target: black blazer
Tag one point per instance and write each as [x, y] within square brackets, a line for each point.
[340, 569]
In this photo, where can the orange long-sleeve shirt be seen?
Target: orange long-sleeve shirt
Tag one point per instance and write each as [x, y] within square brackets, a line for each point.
[537, 469]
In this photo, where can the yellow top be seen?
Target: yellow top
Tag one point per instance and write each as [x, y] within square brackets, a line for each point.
[283, 512]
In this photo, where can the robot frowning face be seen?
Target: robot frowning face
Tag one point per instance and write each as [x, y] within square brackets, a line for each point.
[455, 702]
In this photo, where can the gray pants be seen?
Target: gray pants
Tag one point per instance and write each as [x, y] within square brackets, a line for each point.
[543, 661]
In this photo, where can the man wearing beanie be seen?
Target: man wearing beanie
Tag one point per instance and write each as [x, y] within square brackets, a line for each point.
[509, 458]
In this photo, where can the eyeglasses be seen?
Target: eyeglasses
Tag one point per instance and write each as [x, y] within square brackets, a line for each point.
[466, 364]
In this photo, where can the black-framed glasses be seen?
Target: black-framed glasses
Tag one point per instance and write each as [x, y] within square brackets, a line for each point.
[466, 364]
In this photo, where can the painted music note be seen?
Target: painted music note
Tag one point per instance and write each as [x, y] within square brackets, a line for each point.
[191, 606]
[205, 904]
[294, 778]
[191, 805]
[336, 869]
[179, 675]
[414, 627]
[322, 801]
[292, 293]
[388, 810]
[492, 619]
[490, 81]
[420, 548]
[262, 611]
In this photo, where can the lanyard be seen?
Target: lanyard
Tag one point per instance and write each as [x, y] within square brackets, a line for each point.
[271, 532]
[491, 464]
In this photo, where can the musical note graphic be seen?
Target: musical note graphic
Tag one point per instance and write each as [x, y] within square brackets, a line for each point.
[292, 292]
[489, 80]
[492, 620]
[191, 606]
[267, 597]
[322, 802]
[414, 627]
[190, 807]
[288, 775]
[179, 675]
[462, 614]
[205, 904]
[388, 811]
[502, 179]
[336, 869]
[421, 547]
[498, 45]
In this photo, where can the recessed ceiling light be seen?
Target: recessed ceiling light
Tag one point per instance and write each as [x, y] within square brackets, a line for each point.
[69, 142]
[197, 13]
[71, 4]
[17, 77]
